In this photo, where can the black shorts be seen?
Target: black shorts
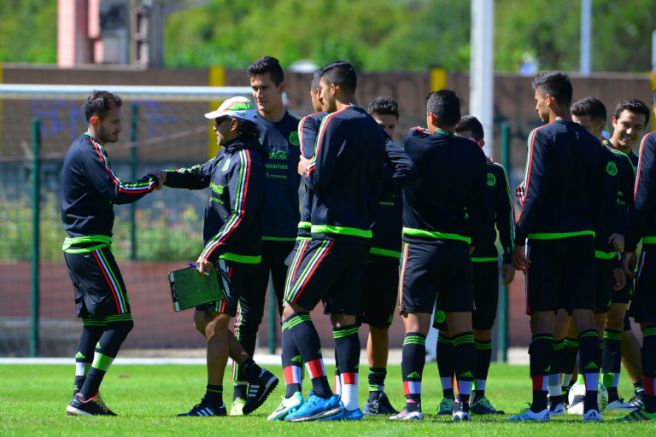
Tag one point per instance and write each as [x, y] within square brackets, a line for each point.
[380, 290]
[561, 274]
[328, 270]
[440, 270]
[623, 295]
[240, 277]
[486, 297]
[99, 287]
[643, 305]
[604, 284]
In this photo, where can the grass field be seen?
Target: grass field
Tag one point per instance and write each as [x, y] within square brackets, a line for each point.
[147, 398]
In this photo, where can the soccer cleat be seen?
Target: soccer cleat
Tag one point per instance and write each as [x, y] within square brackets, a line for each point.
[90, 407]
[237, 408]
[346, 415]
[379, 405]
[316, 408]
[576, 405]
[408, 413]
[287, 406]
[446, 407]
[459, 414]
[482, 405]
[259, 390]
[204, 409]
[637, 401]
[638, 416]
[620, 405]
[592, 416]
[528, 415]
[558, 409]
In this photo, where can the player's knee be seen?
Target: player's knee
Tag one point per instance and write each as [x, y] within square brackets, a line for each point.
[341, 320]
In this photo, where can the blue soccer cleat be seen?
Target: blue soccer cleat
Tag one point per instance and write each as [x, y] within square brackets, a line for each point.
[316, 408]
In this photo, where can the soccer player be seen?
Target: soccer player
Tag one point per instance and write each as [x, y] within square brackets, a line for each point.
[485, 263]
[89, 191]
[643, 306]
[629, 121]
[232, 237]
[345, 175]
[279, 136]
[558, 223]
[382, 271]
[609, 240]
[442, 222]
[292, 361]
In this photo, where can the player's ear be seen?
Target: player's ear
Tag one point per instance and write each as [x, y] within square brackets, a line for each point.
[282, 86]
[94, 120]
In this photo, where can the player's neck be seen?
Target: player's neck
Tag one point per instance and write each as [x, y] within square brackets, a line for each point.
[559, 114]
[92, 133]
[344, 101]
[617, 146]
[274, 115]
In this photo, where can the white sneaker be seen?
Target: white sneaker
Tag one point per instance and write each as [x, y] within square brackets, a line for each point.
[406, 414]
[592, 416]
[620, 405]
[576, 406]
[529, 416]
[558, 410]
[287, 406]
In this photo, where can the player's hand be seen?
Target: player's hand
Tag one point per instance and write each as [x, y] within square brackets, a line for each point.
[616, 241]
[519, 260]
[303, 164]
[507, 273]
[629, 264]
[161, 178]
[619, 279]
[204, 266]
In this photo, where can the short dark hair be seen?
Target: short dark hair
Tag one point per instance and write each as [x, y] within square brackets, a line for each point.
[590, 106]
[247, 128]
[267, 64]
[632, 105]
[340, 73]
[99, 103]
[469, 123]
[444, 104]
[384, 105]
[316, 78]
[556, 84]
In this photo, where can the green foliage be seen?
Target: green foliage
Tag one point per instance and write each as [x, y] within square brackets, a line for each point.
[157, 238]
[403, 35]
[621, 34]
[28, 31]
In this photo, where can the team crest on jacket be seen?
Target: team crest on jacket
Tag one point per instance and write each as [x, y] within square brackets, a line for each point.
[611, 168]
[491, 180]
[293, 138]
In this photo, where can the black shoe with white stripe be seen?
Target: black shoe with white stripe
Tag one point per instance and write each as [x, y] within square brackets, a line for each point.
[259, 390]
[205, 409]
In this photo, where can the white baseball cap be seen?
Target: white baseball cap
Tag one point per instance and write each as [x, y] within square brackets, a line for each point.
[235, 107]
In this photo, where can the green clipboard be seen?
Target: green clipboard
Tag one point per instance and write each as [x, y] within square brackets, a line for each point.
[190, 289]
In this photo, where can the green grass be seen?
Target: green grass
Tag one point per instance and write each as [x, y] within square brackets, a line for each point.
[147, 398]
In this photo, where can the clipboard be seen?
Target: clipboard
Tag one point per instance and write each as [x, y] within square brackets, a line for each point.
[190, 289]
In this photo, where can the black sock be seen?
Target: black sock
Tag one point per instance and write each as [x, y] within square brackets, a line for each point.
[611, 361]
[540, 358]
[376, 381]
[464, 355]
[412, 366]
[214, 394]
[92, 329]
[117, 329]
[590, 355]
[483, 358]
[251, 370]
[445, 364]
[292, 363]
[648, 351]
[306, 338]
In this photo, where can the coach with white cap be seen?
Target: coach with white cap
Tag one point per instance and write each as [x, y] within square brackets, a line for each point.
[232, 242]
